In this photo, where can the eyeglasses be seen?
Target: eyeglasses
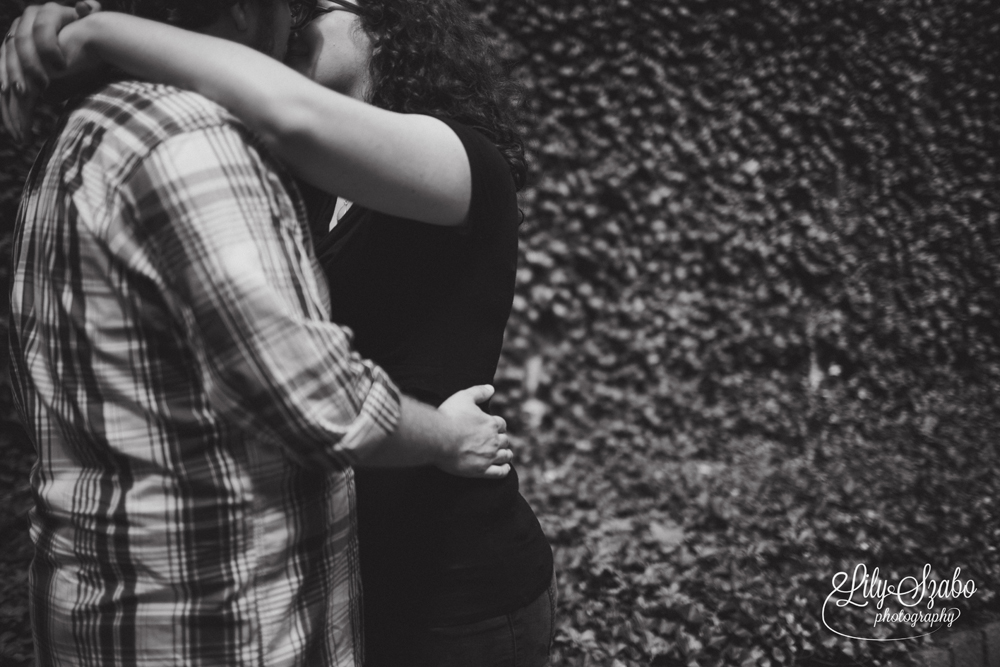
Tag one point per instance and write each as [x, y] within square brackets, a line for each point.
[306, 11]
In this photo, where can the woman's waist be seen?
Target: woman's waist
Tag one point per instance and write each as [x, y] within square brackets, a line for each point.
[435, 374]
[456, 568]
[434, 496]
[443, 524]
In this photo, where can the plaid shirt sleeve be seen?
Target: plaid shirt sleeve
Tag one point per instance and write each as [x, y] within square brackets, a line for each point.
[217, 227]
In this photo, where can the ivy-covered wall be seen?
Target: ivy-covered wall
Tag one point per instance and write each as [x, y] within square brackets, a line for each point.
[756, 340]
[739, 205]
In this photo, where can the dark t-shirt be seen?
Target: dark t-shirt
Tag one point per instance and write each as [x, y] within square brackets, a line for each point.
[429, 304]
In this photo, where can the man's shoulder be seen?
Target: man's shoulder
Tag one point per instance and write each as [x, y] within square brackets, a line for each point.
[143, 114]
[112, 131]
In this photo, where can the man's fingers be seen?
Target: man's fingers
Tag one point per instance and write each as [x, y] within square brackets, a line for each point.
[497, 471]
[505, 455]
[15, 75]
[501, 424]
[21, 95]
[459, 401]
[479, 393]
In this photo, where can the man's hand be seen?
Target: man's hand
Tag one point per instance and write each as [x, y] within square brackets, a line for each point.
[458, 438]
[32, 57]
[480, 447]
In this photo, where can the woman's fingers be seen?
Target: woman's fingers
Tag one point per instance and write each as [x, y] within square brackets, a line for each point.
[23, 109]
[11, 117]
[8, 47]
[14, 86]
[37, 41]
[48, 22]
[7, 124]
[30, 56]
[19, 99]
[3, 65]
[87, 7]
[504, 454]
[30, 65]
[4, 90]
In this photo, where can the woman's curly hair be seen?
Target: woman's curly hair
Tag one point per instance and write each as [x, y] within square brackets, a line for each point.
[431, 57]
[190, 14]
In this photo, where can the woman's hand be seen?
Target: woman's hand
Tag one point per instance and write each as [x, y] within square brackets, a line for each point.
[32, 56]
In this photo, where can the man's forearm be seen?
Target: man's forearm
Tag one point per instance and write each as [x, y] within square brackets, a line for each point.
[422, 435]
[457, 437]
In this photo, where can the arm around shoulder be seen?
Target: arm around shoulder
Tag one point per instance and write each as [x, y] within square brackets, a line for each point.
[407, 165]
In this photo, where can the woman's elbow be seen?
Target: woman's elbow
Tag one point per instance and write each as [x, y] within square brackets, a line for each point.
[285, 126]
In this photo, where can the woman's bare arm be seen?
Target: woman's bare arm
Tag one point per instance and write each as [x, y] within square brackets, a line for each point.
[408, 165]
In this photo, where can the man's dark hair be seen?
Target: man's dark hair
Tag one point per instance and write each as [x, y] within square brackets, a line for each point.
[190, 14]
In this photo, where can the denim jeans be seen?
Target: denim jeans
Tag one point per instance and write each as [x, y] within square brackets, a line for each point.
[522, 638]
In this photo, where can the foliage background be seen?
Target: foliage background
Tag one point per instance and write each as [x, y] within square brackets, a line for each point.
[755, 340]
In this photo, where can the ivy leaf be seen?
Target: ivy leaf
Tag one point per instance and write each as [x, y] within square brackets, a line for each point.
[668, 536]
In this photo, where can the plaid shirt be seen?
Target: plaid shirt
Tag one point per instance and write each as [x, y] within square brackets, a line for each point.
[193, 410]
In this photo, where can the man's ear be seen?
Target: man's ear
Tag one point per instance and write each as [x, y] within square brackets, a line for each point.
[239, 13]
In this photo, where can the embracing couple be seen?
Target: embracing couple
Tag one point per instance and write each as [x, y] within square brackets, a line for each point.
[254, 307]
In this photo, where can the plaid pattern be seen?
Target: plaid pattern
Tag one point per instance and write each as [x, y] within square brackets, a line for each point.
[193, 410]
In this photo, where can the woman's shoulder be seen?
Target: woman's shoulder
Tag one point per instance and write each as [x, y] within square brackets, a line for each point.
[482, 152]
[494, 194]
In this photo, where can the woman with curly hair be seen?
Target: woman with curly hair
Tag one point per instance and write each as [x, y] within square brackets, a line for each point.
[397, 118]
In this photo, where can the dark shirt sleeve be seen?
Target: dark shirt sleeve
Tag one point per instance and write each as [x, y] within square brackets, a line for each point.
[493, 193]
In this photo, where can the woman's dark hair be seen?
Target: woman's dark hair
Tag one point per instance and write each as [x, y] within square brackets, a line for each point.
[190, 14]
[431, 57]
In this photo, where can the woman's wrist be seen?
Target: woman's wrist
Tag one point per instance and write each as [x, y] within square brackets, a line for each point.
[84, 66]
[77, 41]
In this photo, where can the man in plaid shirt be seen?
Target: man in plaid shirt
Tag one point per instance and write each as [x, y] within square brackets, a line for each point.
[194, 412]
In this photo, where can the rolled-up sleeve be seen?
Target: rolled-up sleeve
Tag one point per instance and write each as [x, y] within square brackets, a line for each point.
[218, 226]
